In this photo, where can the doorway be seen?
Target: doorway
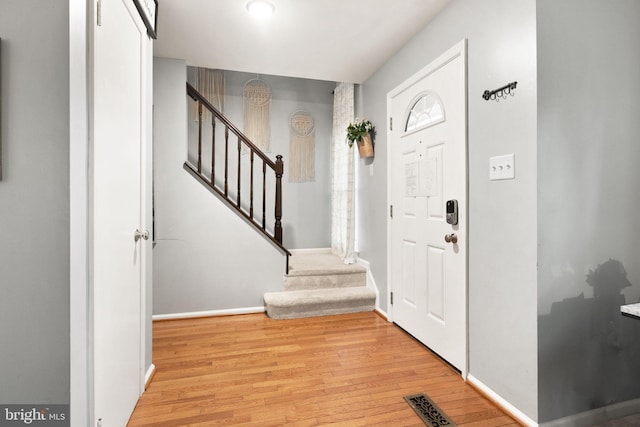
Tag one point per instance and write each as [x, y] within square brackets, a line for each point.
[427, 193]
[118, 208]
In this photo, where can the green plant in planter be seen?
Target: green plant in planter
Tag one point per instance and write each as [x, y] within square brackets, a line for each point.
[356, 131]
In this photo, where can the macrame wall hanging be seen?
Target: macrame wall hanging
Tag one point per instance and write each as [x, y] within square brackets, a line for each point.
[257, 113]
[210, 84]
[302, 147]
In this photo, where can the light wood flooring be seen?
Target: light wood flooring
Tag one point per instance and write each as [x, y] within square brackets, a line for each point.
[346, 370]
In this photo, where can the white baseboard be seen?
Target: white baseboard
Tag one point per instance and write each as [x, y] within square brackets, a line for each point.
[209, 313]
[149, 375]
[383, 314]
[500, 401]
[371, 284]
[596, 416]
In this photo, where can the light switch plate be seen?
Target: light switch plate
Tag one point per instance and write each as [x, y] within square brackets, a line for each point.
[502, 167]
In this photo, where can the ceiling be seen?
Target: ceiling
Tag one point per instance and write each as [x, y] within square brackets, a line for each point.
[334, 40]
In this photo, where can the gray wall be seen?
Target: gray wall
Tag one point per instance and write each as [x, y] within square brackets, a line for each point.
[206, 257]
[34, 202]
[589, 144]
[502, 214]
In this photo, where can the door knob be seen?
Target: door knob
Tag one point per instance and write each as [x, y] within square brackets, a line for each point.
[140, 235]
[451, 238]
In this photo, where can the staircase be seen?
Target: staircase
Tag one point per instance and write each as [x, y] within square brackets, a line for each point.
[235, 170]
[319, 284]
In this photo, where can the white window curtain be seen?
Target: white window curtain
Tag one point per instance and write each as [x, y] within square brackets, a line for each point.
[342, 176]
[210, 84]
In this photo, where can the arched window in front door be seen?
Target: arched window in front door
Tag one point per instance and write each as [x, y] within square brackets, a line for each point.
[427, 110]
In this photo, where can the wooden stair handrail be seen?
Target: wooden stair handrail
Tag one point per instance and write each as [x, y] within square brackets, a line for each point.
[255, 152]
[196, 96]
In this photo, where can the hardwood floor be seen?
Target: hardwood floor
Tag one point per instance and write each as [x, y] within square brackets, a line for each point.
[347, 370]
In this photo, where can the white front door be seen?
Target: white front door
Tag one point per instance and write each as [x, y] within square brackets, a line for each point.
[118, 142]
[427, 146]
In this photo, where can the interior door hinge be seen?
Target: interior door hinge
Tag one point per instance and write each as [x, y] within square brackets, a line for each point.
[391, 211]
[391, 298]
[390, 123]
[99, 13]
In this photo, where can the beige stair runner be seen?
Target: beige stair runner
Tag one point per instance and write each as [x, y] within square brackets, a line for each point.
[320, 284]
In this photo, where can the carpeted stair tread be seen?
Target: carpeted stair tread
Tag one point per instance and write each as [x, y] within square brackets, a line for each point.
[319, 302]
[325, 281]
[314, 296]
[320, 284]
[319, 264]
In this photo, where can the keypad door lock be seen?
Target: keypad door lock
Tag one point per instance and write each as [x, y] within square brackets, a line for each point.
[452, 212]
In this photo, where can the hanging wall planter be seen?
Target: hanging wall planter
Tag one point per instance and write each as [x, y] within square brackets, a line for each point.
[360, 133]
[365, 146]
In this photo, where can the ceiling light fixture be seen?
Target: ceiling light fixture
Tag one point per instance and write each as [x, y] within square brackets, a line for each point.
[261, 9]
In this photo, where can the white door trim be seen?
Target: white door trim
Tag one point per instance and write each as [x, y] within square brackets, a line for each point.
[460, 49]
[78, 216]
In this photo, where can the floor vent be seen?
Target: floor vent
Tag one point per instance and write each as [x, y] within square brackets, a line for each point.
[428, 411]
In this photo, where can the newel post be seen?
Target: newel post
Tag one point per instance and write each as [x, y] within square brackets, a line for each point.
[278, 213]
[199, 137]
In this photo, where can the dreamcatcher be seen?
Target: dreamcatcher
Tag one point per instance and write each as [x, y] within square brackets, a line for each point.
[302, 147]
[257, 113]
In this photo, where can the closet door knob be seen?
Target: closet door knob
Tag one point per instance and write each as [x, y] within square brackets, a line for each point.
[140, 235]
